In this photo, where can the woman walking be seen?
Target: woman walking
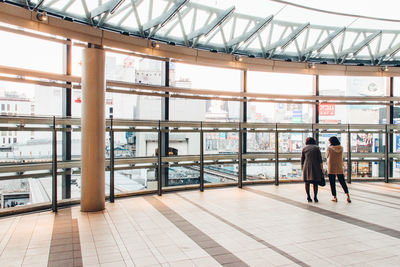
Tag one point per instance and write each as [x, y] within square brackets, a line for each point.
[311, 165]
[334, 156]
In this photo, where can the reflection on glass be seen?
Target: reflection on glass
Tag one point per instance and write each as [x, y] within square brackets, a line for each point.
[260, 171]
[367, 169]
[221, 143]
[290, 171]
[352, 86]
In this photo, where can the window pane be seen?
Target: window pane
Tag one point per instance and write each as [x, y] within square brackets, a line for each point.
[283, 84]
[352, 86]
[26, 52]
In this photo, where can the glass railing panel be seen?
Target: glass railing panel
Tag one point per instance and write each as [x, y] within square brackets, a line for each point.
[368, 169]
[290, 171]
[260, 171]
[220, 173]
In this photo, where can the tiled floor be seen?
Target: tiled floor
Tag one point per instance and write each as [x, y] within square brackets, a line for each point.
[254, 226]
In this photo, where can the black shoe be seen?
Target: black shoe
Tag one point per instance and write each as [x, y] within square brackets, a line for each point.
[309, 199]
[315, 199]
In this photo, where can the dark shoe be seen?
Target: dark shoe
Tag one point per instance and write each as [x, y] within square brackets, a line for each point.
[309, 199]
[334, 199]
[315, 199]
[348, 199]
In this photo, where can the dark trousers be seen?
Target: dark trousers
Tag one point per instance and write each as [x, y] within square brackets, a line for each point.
[333, 183]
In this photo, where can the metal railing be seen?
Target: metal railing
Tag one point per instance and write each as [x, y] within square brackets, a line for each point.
[11, 170]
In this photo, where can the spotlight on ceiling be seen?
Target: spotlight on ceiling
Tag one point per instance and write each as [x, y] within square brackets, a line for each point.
[238, 58]
[42, 16]
[154, 44]
[311, 65]
[385, 68]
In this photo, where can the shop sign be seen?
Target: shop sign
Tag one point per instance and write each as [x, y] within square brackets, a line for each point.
[326, 109]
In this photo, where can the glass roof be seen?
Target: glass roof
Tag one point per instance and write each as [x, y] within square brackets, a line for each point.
[332, 32]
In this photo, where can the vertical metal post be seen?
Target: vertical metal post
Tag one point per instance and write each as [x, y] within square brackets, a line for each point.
[390, 117]
[243, 118]
[67, 112]
[387, 143]
[111, 160]
[201, 158]
[54, 168]
[316, 115]
[240, 158]
[348, 154]
[164, 149]
[159, 167]
[276, 155]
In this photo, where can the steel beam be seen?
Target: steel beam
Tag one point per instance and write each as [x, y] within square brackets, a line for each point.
[248, 35]
[355, 49]
[206, 29]
[108, 7]
[324, 43]
[165, 17]
[289, 39]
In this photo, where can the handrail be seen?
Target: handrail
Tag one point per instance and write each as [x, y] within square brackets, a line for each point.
[15, 169]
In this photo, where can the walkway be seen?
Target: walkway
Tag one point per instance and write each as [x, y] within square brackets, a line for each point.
[256, 226]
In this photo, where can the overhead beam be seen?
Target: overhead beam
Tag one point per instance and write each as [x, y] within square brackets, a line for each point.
[289, 39]
[39, 4]
[355, 49]
[324, 43]
[164, 18]
[247, 36]
[206, 29]
[108, 7]
[390, 52]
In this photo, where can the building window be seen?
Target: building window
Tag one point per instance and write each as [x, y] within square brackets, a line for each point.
[16, 109]
[15, 140]
[9, 140]
[8, 107]
[3, 107]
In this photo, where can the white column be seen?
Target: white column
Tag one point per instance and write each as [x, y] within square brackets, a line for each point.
[93, 130]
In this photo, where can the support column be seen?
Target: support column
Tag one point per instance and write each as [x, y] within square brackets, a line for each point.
[93, 129]
[67, 112]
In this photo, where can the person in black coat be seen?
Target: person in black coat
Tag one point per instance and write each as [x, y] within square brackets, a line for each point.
[311, 165]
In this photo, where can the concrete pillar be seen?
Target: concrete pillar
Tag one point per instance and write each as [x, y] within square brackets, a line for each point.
[93, 129]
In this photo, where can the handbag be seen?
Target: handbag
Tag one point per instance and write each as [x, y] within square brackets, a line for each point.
[322, 182]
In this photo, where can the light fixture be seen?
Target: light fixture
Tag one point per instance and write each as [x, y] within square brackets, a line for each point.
[154, 44]
[311, 65]
[238, 58]
[384, 68]
[42, 16]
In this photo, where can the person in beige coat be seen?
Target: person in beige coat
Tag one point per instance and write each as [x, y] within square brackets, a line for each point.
[334, 156]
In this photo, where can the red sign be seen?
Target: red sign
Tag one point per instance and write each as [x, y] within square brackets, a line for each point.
[326, 109]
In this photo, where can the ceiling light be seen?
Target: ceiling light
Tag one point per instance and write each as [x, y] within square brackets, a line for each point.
[238, 58]
[42, 16]
[385, 68]
[311, 65]
[154, 44]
